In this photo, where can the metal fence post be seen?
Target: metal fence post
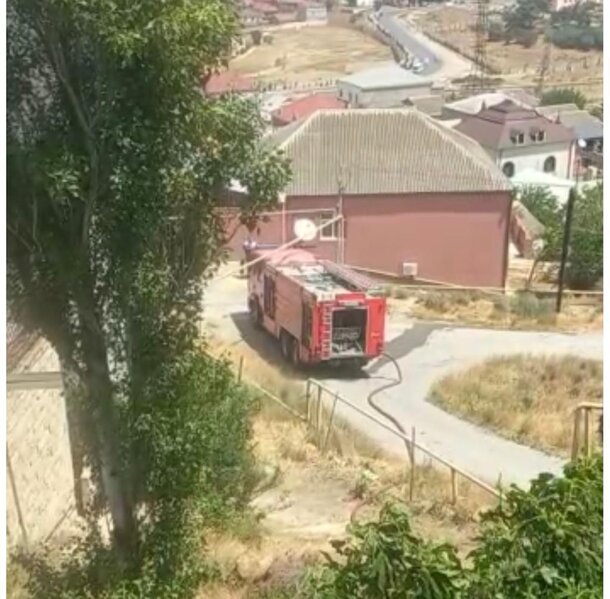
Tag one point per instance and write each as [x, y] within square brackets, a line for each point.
[454, 486]
[576, 434]
[319, 410]
[412, 473]
[307, 398]
[587, 432]
[330, 422]
[240, 369]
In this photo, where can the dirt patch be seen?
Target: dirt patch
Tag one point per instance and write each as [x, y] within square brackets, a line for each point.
[568, 68]
[526, 398]
[312, 53]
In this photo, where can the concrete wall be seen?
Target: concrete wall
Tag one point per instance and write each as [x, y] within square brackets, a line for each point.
[40, 487]
[383, 98]
[456, 238]
[533, 157]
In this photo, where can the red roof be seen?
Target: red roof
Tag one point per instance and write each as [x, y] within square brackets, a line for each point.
[299, 109]
[222, 83]
[264, 7]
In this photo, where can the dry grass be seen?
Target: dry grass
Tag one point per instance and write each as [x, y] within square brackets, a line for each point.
[526, 398]
[522, 311]
[311, 53]
[518, 64]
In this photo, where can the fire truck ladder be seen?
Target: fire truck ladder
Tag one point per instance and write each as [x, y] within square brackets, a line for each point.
[355, 279]
[327, 319]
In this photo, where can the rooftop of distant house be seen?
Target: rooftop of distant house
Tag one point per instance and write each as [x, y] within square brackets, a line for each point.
[507, 125]
[386, 77]
[377, 151]
[302, 107]
[228, 82]
[584, 124]
[475, 104]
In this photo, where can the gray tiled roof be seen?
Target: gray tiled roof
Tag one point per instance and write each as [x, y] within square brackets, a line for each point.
[384, 151]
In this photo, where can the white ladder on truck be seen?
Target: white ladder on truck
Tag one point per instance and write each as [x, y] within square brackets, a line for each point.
[327, 322]
[355, 279]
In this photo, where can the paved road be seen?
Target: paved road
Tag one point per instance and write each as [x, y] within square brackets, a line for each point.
[425, 352]
[398, 30]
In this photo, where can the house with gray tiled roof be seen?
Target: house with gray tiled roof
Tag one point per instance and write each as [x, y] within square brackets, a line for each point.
[416, 196]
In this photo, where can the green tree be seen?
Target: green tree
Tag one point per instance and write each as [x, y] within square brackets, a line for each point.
[113, 157]
[585, 265]
[563, 96]
[542, 204]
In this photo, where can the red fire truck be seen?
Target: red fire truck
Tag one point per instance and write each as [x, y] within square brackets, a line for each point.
[318, 310]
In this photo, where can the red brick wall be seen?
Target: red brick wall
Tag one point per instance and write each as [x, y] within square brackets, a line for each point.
[454, 238]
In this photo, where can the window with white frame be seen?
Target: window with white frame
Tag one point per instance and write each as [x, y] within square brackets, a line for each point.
[328, 230]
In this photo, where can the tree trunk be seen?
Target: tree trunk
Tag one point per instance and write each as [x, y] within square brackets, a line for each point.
[115, 485]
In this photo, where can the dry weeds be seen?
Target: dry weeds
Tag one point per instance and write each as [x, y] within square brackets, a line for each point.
[311, 53]
[496, 310]
[526, 398]
[568, 67]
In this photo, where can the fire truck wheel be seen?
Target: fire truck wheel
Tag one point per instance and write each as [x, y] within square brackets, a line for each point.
[256, 316]
[285, 345]
[294, 353]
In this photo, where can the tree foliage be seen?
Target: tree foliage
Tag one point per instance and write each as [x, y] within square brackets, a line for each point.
[114, 158]
[563, 96]
[543, 542]
[585, 264]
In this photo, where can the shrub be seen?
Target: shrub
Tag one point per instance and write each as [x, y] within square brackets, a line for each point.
[545, 542]
[526, 37]
[528, 305]
[563, 96]
[386, 559]
[435, 301]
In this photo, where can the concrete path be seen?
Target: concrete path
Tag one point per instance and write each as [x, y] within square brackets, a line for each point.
[425, 353]
[428, 352]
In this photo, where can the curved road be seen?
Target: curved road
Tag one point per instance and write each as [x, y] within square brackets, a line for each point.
[397, 29]
[425, 352]
[428, 352]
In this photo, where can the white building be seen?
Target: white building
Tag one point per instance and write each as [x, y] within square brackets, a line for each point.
[519, 139]
[383, 87]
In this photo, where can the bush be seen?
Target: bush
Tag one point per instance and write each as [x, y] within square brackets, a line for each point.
[543, 542]
[526, 37]
[528, 305]
[386, 559]
[435, 301]
[495, 31]
[563, 96]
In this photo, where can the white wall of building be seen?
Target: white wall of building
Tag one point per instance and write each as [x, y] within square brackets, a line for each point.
[533, 157]
[380, 98]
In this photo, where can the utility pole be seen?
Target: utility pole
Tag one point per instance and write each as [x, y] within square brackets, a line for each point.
[566, 247]
[476, 85]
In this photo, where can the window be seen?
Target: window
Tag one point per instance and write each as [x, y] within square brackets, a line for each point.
[328, 231]
[536, 135]
[508, 168]
[517, 137]
[269, 297]
[550, 164]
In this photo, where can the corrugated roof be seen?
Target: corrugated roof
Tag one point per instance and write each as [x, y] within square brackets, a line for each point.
[584, 125]
[374, 151]
[228, 81]
[386, 77]
[552, 111]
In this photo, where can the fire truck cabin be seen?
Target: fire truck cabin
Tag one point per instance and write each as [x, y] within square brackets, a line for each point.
[318, 310]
